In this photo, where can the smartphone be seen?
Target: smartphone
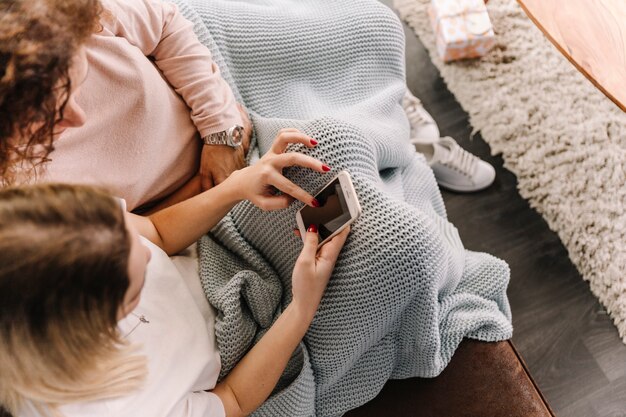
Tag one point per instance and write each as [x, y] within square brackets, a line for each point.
[338, 208]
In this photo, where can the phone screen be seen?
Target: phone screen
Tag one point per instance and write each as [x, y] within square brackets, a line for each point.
[332, 213]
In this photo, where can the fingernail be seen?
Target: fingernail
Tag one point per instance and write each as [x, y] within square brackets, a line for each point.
[313, 228]
[325, 168]
[315, 203]
[313, 142]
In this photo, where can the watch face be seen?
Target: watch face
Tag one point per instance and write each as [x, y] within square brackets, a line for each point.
[237, 135]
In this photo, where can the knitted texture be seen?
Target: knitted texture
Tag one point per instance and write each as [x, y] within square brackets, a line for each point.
[404, 292]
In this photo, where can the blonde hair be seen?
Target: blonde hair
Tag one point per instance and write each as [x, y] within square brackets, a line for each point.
[63, 276]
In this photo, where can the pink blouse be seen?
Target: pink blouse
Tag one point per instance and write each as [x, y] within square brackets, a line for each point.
[151, 87]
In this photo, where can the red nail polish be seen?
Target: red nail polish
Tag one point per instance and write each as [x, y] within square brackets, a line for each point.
[313, 228]
[325, 168]
[315, 203]
[313, 142]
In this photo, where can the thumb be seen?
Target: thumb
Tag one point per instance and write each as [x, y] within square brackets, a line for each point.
[310, 242]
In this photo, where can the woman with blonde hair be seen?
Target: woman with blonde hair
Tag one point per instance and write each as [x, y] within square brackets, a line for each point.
[96, 320]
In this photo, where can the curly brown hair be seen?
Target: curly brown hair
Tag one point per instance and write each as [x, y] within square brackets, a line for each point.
[38, 40]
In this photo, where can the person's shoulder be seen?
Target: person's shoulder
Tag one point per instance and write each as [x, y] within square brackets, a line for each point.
[121, 9]
[109, 15]
[117, 13]
[139, 21]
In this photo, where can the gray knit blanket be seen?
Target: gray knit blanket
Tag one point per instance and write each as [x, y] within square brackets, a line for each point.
[404, 292]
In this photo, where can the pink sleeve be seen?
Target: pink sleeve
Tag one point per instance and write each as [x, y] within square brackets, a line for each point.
[161, 32]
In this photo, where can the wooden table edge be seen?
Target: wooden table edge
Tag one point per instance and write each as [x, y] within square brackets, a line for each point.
[569, 57]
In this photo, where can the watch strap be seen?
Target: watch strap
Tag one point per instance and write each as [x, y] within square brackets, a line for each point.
[225, 137]
[218, 138]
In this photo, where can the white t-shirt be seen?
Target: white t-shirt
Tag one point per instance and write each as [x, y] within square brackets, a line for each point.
[174, 324]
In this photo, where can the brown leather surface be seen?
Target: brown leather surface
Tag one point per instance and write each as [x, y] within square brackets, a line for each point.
[482, 380]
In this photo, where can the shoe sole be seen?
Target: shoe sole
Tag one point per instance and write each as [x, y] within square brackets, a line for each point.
[461, 189]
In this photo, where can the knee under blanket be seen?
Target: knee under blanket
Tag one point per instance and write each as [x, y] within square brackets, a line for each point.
[404, 291]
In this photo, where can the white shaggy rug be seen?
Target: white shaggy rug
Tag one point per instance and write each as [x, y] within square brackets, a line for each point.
[563, 139]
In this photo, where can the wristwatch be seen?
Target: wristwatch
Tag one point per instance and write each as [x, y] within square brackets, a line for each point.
[231, 137]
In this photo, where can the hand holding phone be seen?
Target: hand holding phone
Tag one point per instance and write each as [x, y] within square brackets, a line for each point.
[339, 207]
[313, 269]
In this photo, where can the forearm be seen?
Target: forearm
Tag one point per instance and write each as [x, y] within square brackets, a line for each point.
[191, 189]
[178, 226]
[250, 383]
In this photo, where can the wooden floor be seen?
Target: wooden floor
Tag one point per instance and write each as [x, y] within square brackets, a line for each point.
[572, 349]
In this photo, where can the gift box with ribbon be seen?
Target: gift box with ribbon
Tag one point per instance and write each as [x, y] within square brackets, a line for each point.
[462, 28]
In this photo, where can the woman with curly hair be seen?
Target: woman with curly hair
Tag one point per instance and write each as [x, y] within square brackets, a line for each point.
[42, 65]
[148, 85]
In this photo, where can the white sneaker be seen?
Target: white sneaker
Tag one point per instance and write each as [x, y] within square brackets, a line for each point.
[454, 167]
[423, 126]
